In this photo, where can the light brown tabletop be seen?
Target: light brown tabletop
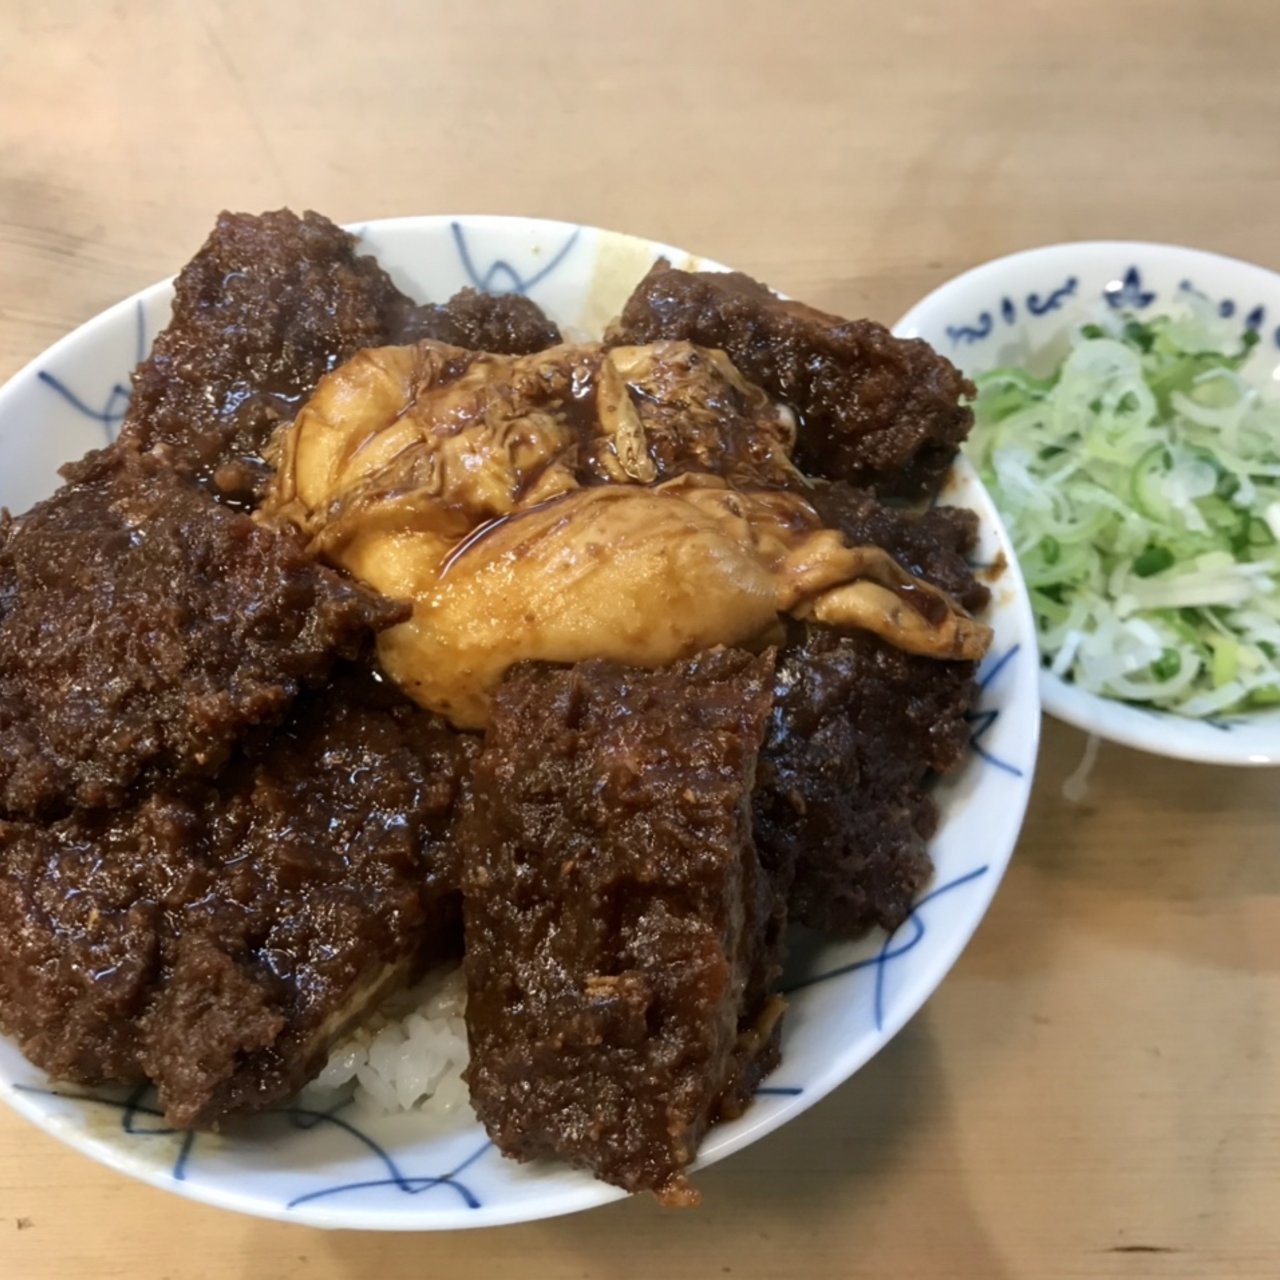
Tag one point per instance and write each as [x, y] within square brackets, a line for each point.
[1095, 1090]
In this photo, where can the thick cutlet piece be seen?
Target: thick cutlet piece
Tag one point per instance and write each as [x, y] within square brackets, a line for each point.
[842, 802]
[614, 914]
[79, 946]
[216, 937]
[932, 544]
[877, 411]
[269, 304]
[503, 323]
[843, 810]
[144, 627]
[331, 876]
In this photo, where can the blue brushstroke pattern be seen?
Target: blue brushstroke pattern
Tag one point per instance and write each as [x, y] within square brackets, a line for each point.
[889, 950]
[132, 1109]
[1223, 726]
[1039, 307]
[135, 1111]
[983, 719]
[486, 281]
[410, 1184]
[116, 403]
[1129, 292]
[971, 332]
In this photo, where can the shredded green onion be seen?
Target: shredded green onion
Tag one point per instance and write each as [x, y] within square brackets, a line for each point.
[1141, 486]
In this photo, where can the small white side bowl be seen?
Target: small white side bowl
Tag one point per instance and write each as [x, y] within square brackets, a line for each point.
[1011, 311]
[847, 999]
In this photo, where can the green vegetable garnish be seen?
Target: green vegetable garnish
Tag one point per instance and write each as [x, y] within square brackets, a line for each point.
[1153, 560]
[1141, 484]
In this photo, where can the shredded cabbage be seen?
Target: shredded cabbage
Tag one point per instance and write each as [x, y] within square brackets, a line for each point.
[1141, 486]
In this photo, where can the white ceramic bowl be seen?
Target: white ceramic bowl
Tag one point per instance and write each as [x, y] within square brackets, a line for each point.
[1013, 311]
[405, 1172]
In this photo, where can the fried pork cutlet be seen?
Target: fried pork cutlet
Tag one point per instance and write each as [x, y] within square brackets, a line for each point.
[933, 544]
[620, 937]
[842, 806]
[876, 411]
[268, 305]
[216, 937]
[501, 323]
[144, 627]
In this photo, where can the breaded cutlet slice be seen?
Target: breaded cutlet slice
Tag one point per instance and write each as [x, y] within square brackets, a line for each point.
[880, 412]
[144, 627]
[216, 937]
[843, 804]
[621, 941]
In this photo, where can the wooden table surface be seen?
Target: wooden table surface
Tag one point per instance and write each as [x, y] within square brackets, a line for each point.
[1095, 1091]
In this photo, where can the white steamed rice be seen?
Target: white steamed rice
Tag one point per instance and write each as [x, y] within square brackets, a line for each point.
[409, 1056]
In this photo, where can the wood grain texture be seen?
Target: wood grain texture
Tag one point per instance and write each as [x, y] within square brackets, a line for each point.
[1095, 1091]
